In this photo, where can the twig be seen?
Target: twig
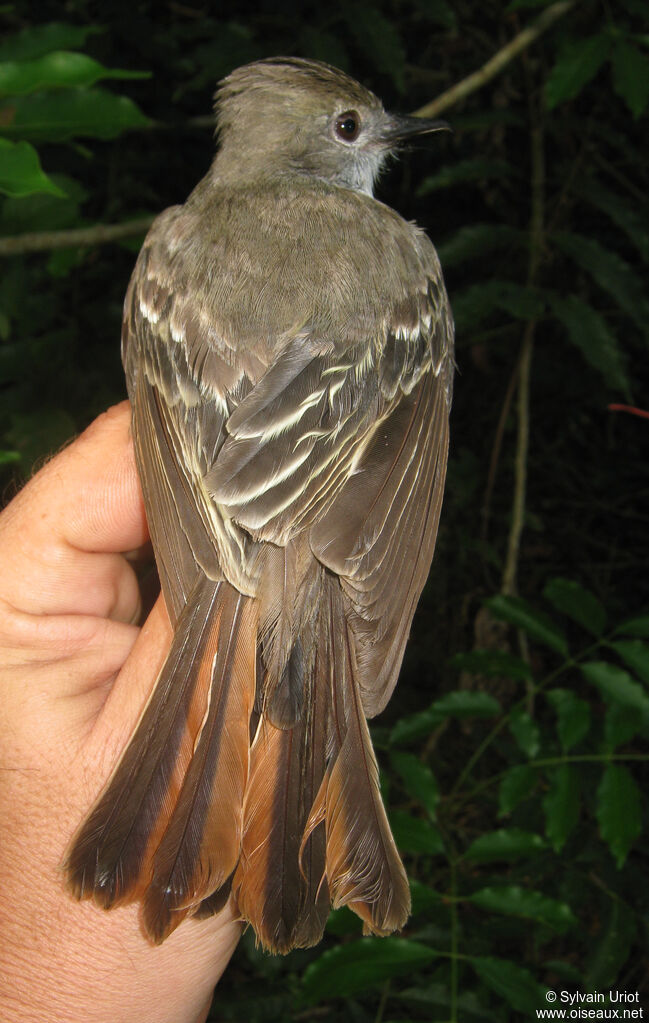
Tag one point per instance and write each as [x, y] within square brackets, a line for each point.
[455, 934]
[495, 454]
[101, 233]
[496, 63]
[630, 409]
[98, 234]
[383, 1002]
[524, 366]
[523, 373]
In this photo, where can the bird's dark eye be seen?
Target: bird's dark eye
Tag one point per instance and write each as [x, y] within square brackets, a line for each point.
[348, 126]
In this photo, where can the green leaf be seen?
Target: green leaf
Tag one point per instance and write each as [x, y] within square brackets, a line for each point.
[476, 240]
[414, 835]
[9, 457]
[21, 173]
[34, 42]
[342, 922]
[635, 627]
[620, 725]
[474, 304]
[573, 715]
[513, 983]
[612, 273]
[588, 332]
[42, 211]
[611, 949]
[513, 900]
[435, 997]
[572, 599]
[638, 7]
[566, 971]
[59, 116]
[466, 703]
[39, 432]
[516, 785]
[561, 805]
[368, 963]
[525, 731]
[379, 38]
[617, 684]
[493, 664]
[439, 12]
[61, 262]
[414, 727]
[481, 119]
[579, 62]
[423, 898]
[57, 70]
[418, 780]
[537, 625]
[619, 811]
[631, 76]
[461, 172]
[635, 655]
[520, 5]
[622, 213]
[507, 844]
[319, 44]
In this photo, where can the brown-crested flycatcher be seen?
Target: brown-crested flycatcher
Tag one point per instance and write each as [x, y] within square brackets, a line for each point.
[288, 350]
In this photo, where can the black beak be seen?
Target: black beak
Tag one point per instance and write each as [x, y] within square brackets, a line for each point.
[399, 128]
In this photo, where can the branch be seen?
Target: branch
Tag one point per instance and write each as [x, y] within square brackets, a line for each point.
[102, 233]
[524, 366]
[98, 234]
[496, 63]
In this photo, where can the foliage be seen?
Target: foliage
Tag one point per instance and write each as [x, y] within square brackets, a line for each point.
[523, 888]
[514, 771]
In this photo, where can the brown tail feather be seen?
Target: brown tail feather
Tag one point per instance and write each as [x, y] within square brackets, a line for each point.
[364, 869]
[201, 844]
[109, 858]
[169, 826]
[285, 899]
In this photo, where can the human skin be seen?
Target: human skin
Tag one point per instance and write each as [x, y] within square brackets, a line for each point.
[75, 672]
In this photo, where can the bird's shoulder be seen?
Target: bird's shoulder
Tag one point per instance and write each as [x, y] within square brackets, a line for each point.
[247, 267]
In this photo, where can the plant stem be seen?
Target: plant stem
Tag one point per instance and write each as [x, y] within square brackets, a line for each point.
[571, 662]
[454, 940]
[496, 63]
[508, 585]
[98, 234]
[495, 453]
[382, 1003]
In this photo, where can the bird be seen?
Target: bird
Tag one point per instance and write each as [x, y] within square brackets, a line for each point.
[288, 350]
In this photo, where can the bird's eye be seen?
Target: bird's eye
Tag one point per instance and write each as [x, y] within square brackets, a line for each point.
[348, 126]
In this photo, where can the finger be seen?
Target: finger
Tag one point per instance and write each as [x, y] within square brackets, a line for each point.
[60, 538]
[112, 724]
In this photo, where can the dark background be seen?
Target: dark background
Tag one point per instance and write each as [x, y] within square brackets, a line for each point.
[550, 785]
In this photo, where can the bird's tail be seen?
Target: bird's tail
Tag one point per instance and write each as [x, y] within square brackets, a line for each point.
[315, 829]
[363, 866]
[292, 823]
[161, 831]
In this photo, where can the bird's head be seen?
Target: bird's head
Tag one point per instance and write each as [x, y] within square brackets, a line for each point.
[288, 115]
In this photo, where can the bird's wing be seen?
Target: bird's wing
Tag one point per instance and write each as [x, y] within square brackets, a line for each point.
[380, 535]
[307, 425]
[353, 448]
[345, 444]
[183, 383]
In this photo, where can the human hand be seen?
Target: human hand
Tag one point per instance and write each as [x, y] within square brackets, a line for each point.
[75, 672]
